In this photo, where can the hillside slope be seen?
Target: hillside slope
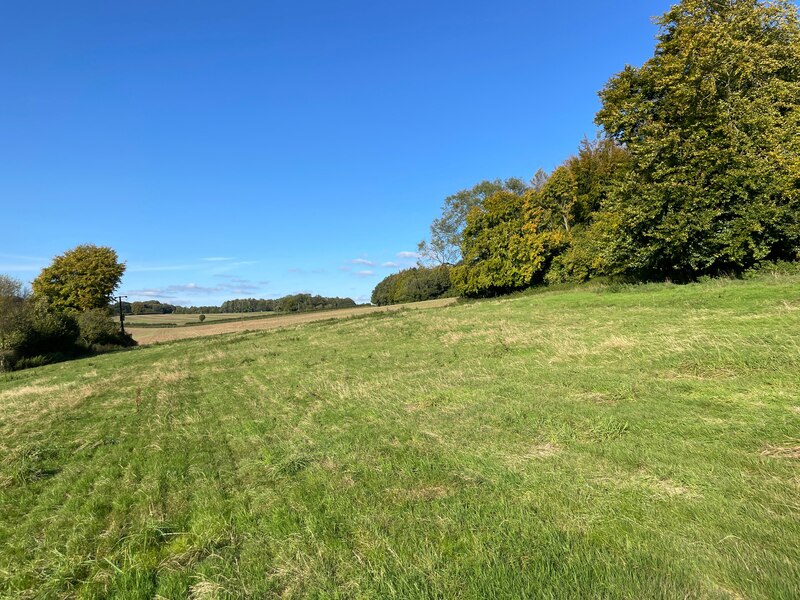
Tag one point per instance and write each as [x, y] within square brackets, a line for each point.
[639, 444]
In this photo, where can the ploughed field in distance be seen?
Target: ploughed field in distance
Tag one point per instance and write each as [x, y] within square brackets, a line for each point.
[605, 441]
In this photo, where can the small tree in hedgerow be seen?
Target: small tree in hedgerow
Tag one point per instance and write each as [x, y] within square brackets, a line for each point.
[201, 318]
[81, 279]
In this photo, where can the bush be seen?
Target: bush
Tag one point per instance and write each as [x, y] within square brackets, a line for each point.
[48, 331]
[96, 327]
[201, 318]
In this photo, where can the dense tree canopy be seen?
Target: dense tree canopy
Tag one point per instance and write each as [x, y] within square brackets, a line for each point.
[496, 256]
[697, 171]
[712, 123]
[413, 285]
[80, 279]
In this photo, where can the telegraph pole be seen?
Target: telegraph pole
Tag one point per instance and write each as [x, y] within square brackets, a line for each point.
[121, 315]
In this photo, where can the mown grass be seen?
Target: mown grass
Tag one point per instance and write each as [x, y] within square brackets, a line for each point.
[580, 444]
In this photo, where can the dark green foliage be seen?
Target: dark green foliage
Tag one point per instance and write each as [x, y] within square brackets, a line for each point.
[148, 307]
[307, 303]
[413, 285]
[292, 303]
[33, 332]
[712, 123]
[246, 305]
[196, 310]
[32, 328]
[699, 172]
[201, 318]
[12, 320]
[97, 328]
[47, 330]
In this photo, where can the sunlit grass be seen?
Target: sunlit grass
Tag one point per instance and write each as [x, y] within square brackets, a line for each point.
[638, 444]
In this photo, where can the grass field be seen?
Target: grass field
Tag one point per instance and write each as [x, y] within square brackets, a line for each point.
[176, 319]
[600, 443]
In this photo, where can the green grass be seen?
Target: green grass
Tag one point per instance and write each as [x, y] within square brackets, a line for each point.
[639, 442]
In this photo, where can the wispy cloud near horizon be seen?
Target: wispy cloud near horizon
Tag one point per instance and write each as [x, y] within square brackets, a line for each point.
[157, 268]
[362, 261]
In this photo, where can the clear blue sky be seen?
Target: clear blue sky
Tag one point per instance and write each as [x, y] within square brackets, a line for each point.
[239, 149]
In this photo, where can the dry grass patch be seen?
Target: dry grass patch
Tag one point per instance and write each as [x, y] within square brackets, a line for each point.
[536, 452]
[598, 398]
[34, 390]
[667, 487]
[782, 452]
[426, 493]
[616, 342]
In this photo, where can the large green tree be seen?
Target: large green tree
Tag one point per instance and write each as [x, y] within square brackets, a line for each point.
[80, 279]
[498, 254]
[712, 125]
[444, 245]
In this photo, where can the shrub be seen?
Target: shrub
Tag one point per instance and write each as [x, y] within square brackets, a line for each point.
[47, 330]
[96, 327]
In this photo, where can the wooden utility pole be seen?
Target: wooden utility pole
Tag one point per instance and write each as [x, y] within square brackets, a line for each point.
[121, 315]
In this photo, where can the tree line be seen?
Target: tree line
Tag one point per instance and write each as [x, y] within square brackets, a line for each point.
[695, 172]
[289, 303]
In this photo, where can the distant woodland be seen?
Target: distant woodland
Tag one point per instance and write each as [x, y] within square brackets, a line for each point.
[291, 303]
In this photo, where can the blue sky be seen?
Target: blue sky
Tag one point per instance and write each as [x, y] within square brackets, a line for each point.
[240, 149]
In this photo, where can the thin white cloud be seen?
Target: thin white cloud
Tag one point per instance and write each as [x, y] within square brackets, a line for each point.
[193, 287]
[365, 273]
[148, 293]
[362, 261]
[242, 263]
[25, 258]
[19, 268]
[154, 268]
[218, 258]
[407, 254]
[390, 265]
[236, 286]
[345, 269]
